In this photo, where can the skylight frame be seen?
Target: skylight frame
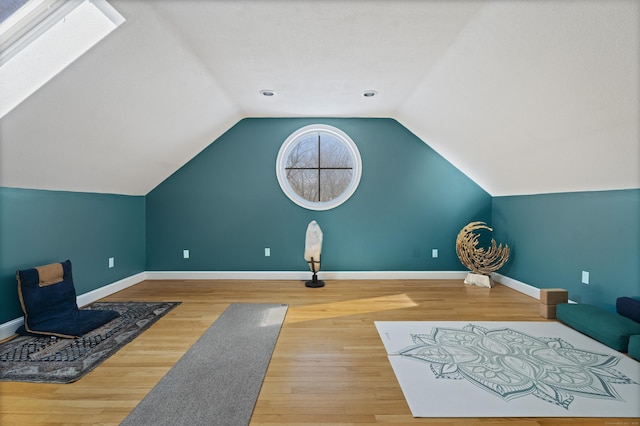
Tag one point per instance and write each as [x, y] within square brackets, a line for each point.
[32, 31]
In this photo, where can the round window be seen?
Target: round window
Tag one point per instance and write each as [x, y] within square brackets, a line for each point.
[319, 167]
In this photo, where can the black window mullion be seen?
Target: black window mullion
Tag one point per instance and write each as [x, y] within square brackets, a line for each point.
[318, 168]
[319, 162]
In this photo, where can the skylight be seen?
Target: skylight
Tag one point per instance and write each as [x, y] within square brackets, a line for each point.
[8, 7]
[42, 38]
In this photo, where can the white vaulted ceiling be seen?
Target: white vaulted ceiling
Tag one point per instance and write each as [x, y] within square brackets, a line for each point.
[524, 97]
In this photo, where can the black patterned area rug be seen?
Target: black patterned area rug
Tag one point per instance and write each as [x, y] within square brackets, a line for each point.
[57, 360]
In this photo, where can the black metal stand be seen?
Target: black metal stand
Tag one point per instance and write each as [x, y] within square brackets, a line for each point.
[314, 283]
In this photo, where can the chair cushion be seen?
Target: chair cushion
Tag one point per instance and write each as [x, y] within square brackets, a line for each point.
[606, 327]
[48, 299]
[629, 307]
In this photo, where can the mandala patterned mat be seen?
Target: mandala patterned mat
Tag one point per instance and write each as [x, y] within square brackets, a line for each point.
[57, 360]
[509, 369]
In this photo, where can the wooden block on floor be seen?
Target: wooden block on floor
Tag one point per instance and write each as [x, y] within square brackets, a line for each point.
[553, 296]
[547, 311]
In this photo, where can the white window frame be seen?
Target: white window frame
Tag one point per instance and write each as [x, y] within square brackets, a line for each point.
[286, 149]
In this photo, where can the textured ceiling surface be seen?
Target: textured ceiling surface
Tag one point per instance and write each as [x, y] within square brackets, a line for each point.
[524, 97]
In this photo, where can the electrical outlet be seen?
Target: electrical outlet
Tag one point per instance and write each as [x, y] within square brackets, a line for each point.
[434, 253]
[267, 251]
[185, 254]
[585, 277]
[112, 262]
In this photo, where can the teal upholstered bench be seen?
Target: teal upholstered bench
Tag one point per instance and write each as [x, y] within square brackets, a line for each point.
[606, 327]
[634, 347]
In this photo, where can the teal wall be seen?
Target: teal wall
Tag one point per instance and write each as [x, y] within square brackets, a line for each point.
[41, 227]
[226, 206]
[555, 237]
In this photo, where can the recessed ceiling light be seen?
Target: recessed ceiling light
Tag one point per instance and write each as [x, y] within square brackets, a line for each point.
[267, 92]
[369, 93]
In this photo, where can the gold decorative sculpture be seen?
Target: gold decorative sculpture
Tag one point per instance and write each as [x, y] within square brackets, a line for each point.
[480, 261]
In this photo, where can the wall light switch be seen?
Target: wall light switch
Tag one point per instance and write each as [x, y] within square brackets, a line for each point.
[585, 277]
[267, 251]
[185, 254]
[434, 253]
[112, 262]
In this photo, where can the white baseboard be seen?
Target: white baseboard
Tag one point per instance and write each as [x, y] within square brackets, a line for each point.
[8, 328]
[227, 275]
[109, 289]
[517, 285]
[304, 275]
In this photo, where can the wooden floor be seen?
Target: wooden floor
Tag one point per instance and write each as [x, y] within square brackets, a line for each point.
[329, 366]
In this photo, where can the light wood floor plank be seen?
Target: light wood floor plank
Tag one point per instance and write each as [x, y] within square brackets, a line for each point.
[329, 366]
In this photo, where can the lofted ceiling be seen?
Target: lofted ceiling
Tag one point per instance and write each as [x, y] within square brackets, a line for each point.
[524, 97]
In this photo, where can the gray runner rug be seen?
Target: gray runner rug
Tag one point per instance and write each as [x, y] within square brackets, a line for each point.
[218, 380]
